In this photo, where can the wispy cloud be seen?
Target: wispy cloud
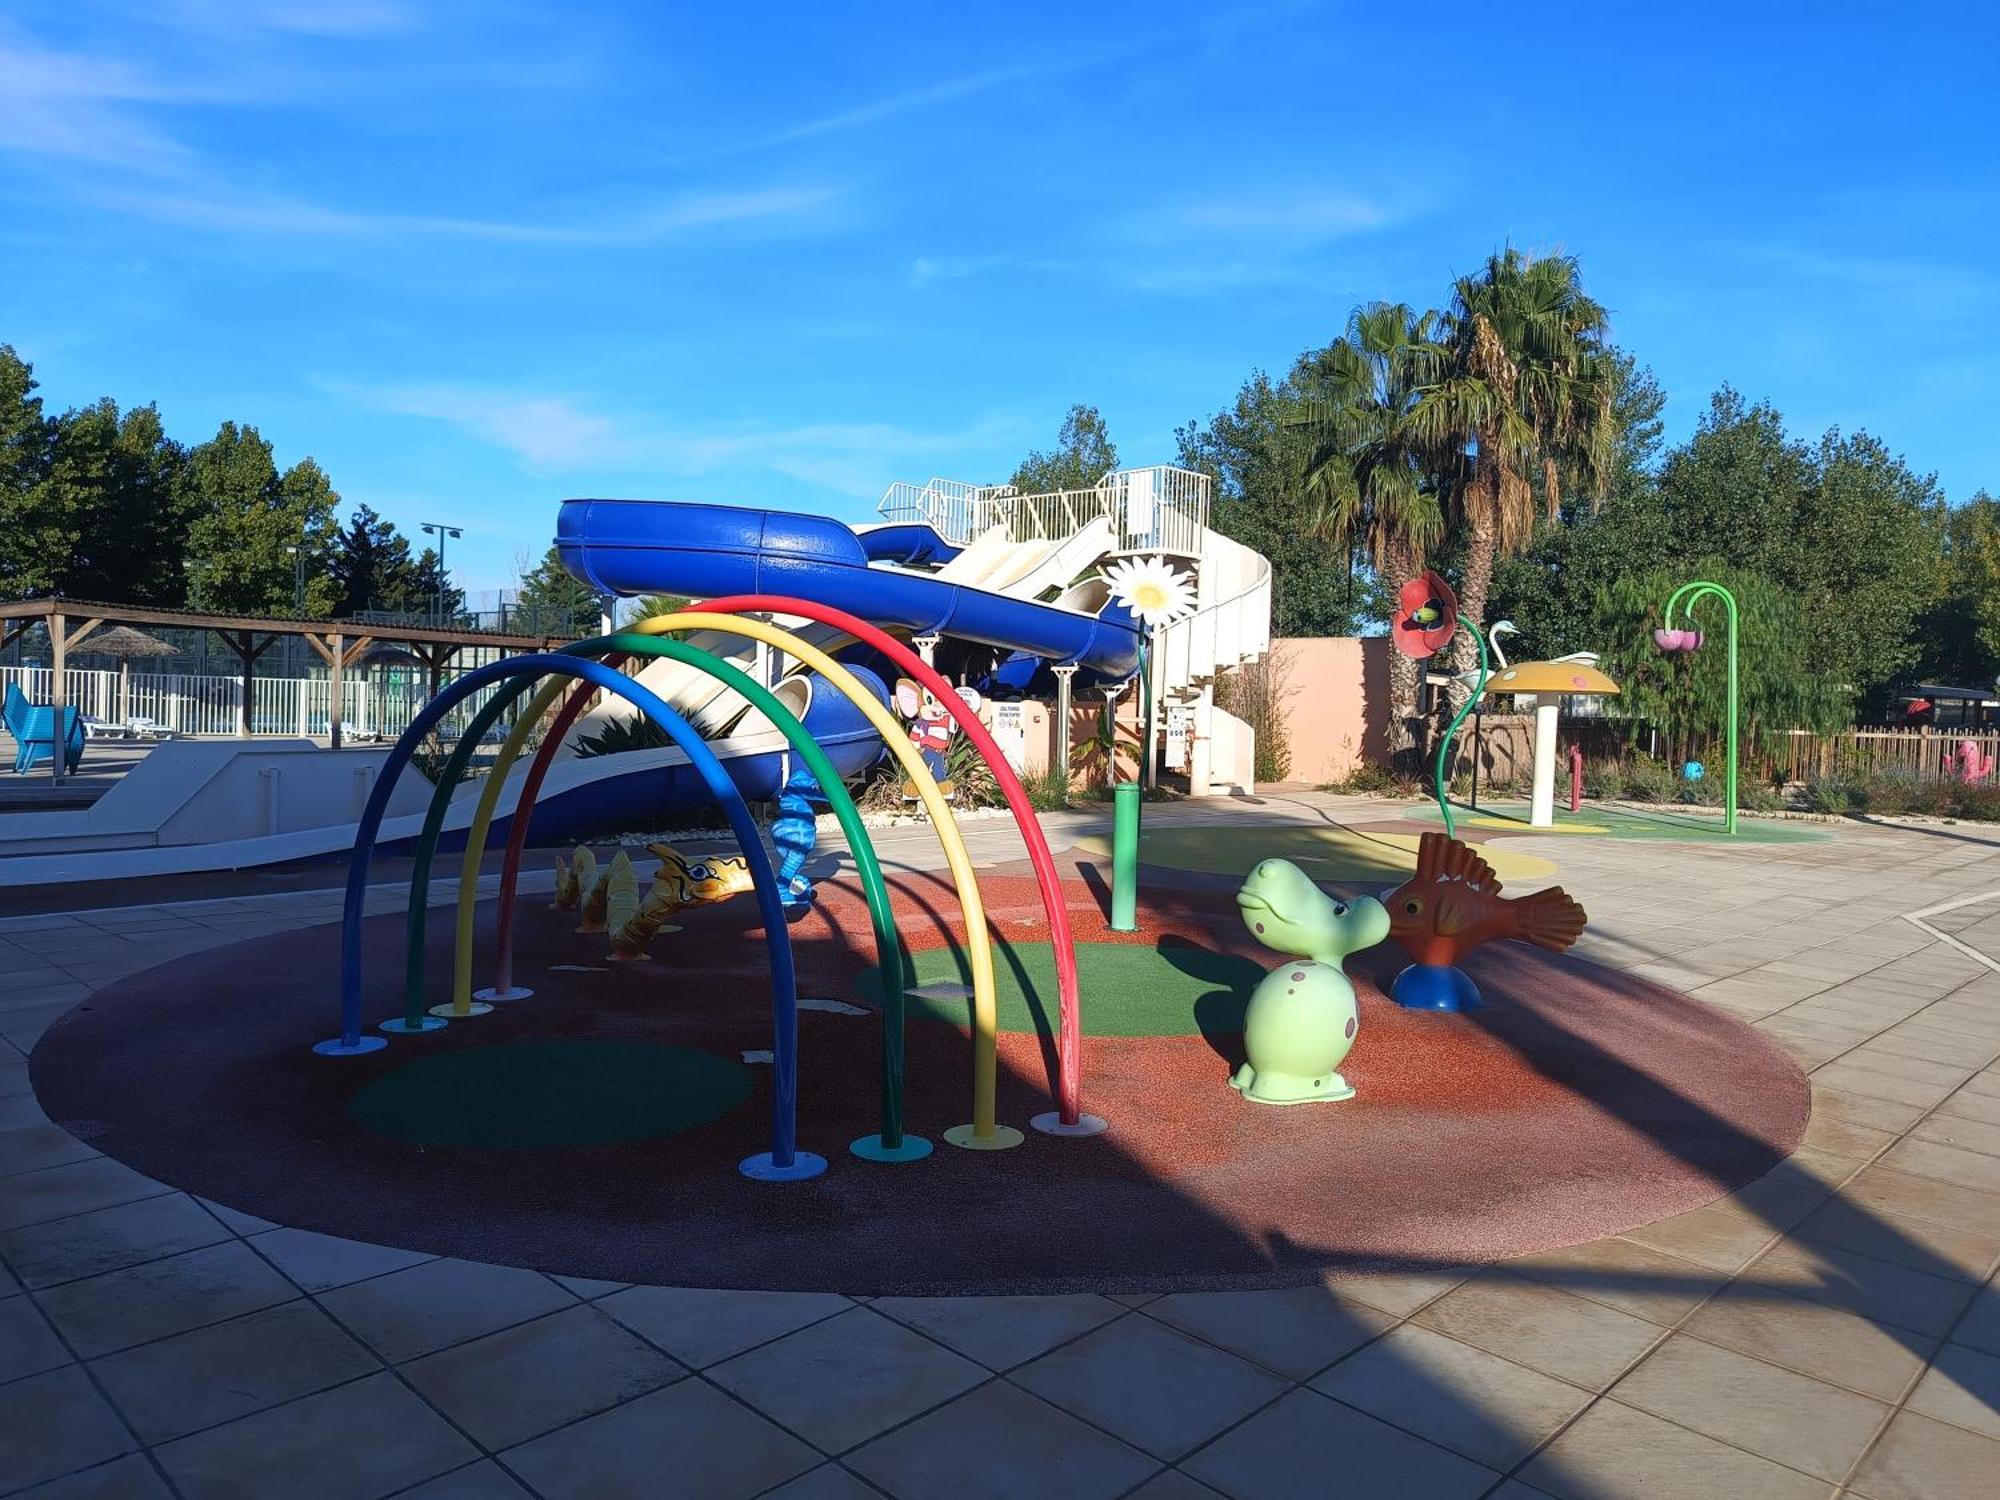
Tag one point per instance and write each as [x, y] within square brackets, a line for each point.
[666, 220]
[546, 433]
[77, 107]
[561, 434]
[1207, 30]
[910, 101]
[1198, 247]
[945, 91]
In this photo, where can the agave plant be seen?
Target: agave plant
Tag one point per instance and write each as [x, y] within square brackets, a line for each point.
[621, 735]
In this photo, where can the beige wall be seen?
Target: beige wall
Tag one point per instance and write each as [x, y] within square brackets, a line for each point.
[1336, 703]
[1336, 715]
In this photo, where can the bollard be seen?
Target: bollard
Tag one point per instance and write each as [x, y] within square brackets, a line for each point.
[1125, 803]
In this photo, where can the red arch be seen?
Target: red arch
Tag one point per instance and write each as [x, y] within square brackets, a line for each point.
[1069, 1043]
[1069, 1040]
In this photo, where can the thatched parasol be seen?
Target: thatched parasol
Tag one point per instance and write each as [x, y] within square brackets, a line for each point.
[125, 643]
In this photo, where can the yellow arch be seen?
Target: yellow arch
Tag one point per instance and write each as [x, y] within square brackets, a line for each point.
[984, 1133]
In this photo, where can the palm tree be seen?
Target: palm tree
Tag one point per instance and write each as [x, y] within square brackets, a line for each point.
[1368, 473]
[1521, 410]
[648, 606]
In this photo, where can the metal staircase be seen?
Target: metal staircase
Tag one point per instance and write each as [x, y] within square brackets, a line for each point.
[1158, 510]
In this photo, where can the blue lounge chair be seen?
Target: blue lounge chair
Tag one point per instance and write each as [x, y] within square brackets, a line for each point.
[32, 726]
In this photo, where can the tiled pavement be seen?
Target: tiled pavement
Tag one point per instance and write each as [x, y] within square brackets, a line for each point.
[1831, 1330]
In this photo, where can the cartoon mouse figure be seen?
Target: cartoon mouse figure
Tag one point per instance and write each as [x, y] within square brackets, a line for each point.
[931, 729]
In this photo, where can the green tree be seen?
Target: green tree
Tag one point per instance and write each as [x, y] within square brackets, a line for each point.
[141, 534]
[553, 601]
[1959, 633]
[246, 521]
[1084, 454]
[101, 517]
[1255, 450]
[1844, 526]
[33, 545]
[372, 568]
[1685, 695]
[1521, 417]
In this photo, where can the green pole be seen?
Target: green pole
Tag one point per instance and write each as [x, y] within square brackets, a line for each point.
[1687, 596]
[1444, 750]
[1125, 801]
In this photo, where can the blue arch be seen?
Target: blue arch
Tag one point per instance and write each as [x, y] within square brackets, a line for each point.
[777, 936]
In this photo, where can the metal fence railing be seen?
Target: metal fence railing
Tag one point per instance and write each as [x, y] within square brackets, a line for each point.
[1160, 508]
[192, 703]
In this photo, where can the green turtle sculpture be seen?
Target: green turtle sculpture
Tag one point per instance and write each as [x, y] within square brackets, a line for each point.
[1302, 1018]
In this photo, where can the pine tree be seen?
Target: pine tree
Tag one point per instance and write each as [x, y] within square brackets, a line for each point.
[552, 601]
[372, 566]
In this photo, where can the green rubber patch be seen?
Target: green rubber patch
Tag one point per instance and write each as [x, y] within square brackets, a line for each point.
[1671, 824]
[1174, 988]
[1356, 857]
[529, 1096]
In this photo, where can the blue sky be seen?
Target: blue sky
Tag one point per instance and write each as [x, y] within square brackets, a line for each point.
[475, 256]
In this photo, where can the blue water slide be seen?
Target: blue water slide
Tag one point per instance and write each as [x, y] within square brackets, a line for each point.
[670, 784]
[909, 543]
[656, 546]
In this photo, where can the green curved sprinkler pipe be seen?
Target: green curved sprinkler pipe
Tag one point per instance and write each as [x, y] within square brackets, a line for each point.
[1127, 798]
[1687, 596]
[890, 952]
[1450, 734]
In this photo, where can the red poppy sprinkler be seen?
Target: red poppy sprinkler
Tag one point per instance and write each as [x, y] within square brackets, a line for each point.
[1426, 619]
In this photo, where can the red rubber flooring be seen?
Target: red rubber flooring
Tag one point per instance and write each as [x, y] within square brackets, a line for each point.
[1579, 1103]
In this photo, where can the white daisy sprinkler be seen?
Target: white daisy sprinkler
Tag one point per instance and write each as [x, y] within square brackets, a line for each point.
[1156, 592]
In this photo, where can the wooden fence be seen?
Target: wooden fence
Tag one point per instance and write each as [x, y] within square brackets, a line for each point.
[1503, 745]
[1920, 754]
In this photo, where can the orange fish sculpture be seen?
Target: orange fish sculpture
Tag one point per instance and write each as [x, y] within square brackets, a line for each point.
[1450, 906]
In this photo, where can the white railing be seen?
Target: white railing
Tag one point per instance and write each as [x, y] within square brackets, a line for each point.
[1157, 509]
[1160, 508]
[950, 506]
[193, 703]
[1231, 625]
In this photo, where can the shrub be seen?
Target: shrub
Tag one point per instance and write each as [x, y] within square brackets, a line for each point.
[1649, 781]
[1901, 792]
[1256, 694]
[1755, 796]
[1603, 778]
[1704, 793]
[1047, 792]
[972, 784]
[1980, 802]
[432, 756]
[883, 791]
[621, 735]
[1832, 795]
[1381, 781]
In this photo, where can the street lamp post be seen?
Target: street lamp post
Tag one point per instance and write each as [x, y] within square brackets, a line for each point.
[439, 530]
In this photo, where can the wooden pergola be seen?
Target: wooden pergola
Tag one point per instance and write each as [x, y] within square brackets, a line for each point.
[339, 643]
